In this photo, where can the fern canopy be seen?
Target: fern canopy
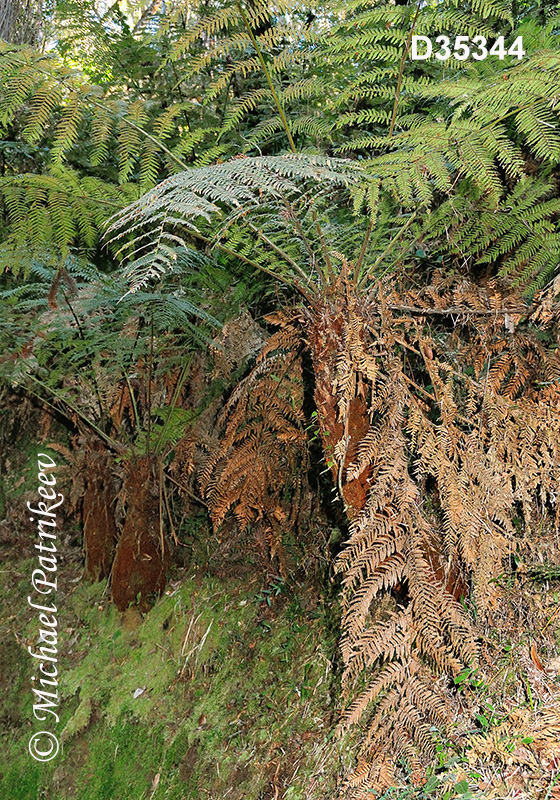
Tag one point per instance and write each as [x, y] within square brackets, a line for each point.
[153, 161]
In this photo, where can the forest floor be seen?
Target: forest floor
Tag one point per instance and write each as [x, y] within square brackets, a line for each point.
[222, 690]
[226, 688]
[229, 686]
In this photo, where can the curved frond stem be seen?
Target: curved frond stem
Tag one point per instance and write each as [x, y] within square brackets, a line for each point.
[304, 238]
[83, 338]
[389, 247]
[267, 75]
[134, 404]
[277, 249]
[286, 127]
[185, 489]
[326, 256]
[249, 261]
[360, 259]
[114, 445]
[179, 385]
[401, 71]
[455, 310]
[149, 387]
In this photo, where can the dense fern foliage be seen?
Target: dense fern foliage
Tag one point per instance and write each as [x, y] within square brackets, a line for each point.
[409, 209]
[339, 81]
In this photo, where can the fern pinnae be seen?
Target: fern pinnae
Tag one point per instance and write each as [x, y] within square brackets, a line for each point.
[392, 673]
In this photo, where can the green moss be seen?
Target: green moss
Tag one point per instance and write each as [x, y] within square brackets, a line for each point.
[23, 779]
[213, 692]
[122, 761]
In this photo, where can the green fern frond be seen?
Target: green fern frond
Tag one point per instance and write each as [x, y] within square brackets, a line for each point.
[246, 191]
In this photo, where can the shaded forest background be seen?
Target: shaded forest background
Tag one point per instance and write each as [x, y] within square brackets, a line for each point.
[282, 304]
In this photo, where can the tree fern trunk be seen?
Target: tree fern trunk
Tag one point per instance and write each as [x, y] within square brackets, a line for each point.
[139, 570]
[363, 404]
[325, 337]
[98, 512]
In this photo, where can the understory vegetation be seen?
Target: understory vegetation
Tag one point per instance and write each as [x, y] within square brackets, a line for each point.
[282, 303]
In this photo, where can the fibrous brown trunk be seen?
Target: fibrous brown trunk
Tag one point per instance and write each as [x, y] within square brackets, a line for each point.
[142, 558]
[324, 334]
[98, 512]
[330, 327]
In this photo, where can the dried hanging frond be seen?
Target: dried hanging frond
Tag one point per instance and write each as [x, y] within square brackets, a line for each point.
[444, 432]
[256, 470]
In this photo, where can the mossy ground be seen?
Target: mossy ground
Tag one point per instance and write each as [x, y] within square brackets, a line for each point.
[220, 690]
[223, 689]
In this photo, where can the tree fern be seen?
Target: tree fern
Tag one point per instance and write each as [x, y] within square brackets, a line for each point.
[423, 127]
[519, 238]
[447, 168]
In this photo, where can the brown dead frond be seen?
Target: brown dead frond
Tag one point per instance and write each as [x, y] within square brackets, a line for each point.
[437, 435]
[257, 468]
